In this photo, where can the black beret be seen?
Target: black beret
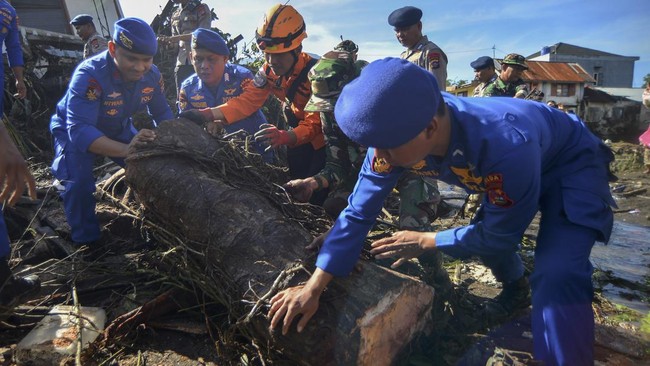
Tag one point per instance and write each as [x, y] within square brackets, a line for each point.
[81, 19]
[482, 63]
[404, 17]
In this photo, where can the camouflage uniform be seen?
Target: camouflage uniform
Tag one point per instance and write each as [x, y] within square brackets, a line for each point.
[418, 200]
[343, 157]
[428, 55]
[516, 89]
[499, 88]
[95, 44]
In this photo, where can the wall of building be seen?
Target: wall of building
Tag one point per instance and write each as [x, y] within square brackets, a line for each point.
[55, 15]
[615, 72]
[617, 121]
[571, 102]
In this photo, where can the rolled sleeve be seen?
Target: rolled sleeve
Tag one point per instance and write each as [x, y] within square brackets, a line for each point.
[309, 129]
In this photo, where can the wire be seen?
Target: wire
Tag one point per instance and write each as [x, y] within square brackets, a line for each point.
[99, 19]
[105, 18]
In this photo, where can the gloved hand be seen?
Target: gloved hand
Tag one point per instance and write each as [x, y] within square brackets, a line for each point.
[198, 116]
[272, 136]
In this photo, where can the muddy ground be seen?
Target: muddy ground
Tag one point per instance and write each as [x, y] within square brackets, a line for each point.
[130, 276]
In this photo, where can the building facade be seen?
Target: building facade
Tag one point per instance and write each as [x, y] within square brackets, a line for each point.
[607, 69]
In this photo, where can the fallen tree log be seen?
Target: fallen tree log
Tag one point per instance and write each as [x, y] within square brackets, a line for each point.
[247, 250]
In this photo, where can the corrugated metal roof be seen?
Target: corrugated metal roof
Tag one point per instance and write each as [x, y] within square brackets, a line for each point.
[557, 72]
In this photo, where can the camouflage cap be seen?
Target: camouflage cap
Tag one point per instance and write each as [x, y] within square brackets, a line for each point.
[332, 71]
[328, 77]
[515, 59]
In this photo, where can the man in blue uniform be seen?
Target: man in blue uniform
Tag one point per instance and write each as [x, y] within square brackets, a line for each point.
[525, 156]
[94, 117]
[9, 36]
[214, 83]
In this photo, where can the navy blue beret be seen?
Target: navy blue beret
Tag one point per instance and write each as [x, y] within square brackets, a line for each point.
[81, 19]
[135, 35]
[389, 104]
[404, 17]
[209, 40]
[482, 62]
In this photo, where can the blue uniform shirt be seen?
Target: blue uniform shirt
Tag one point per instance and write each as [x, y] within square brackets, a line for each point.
[9, 35]
[196, 95]
[99, 103]
[511, 149]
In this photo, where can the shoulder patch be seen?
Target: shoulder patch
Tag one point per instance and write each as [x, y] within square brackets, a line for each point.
[380, 166]
[260, 80]
[433, 59]
[496, 195]
[94, 90]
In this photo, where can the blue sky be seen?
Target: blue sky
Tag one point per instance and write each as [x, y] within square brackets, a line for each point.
[464, 29]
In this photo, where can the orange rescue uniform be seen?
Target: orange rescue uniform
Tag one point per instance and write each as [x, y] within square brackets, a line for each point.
[265, 83]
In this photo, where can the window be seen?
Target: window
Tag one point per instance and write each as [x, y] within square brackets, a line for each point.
[564, 90]
[598, 76]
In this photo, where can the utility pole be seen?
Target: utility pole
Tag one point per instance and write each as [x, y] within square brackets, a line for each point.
[494, 47]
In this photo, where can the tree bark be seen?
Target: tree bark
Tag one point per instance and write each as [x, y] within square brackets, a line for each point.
[241, 235]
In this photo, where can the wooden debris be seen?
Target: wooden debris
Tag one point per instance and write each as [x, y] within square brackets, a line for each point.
[242, 242]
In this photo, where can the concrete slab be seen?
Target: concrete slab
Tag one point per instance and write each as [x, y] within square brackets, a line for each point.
[55, 336]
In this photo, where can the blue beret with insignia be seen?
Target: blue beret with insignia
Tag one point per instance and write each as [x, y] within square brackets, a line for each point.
[482, 63]
[135, 35]
[389, 104]
[81, 19]
[209, 40]
[404, 17]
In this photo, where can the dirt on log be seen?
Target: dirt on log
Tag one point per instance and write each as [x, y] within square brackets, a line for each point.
[248, 250]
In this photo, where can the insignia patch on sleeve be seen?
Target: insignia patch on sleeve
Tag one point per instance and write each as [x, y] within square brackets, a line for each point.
[260, 79]
[380, 166]
[434, 60]
[94, 90]
[496, 195]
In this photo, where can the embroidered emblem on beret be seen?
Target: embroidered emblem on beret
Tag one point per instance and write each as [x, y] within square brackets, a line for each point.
[126, 42]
